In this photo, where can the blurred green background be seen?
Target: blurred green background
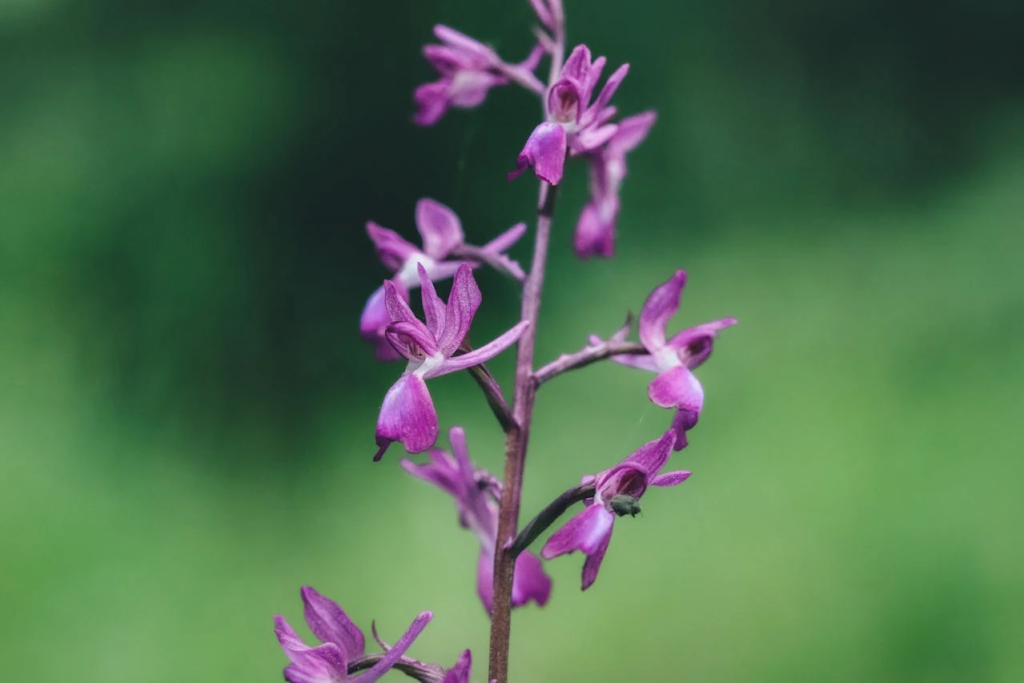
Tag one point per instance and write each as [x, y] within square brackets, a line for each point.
[187, 412]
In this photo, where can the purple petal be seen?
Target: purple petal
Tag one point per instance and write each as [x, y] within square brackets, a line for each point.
[431, 102]
[439, 227]
[586, 532]
[441, 471]
[460, 672]
[411, 339]
[530, 582]
[433, 307]
[462, 304]
[677, 388]
[605, 96]
[485, 577]
[395, 653]
[695, 344]
[506, 239]
[374, 320]
[632, 131]
[682, 422]
[323, 664]
[625, 478]
[544, 153]
[391, 247]
[481, 355]
[653, 455]
[395, 300]
[469, 88]
[483, 55]
[671, 478]
[661, 305]
[595, 230]
[330, 624]
[577, 66]
[407, 415]
[564, 105]
[594, 560]
[589, 139]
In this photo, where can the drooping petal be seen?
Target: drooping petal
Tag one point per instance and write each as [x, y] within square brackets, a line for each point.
[485, 577]
[433, 307]
[661, 305]
[439, 227]
[695, 344]
[481, 355]
[530, 581]
[594, 560]
[391, 247]
[595, 230]
[462, 304]
[682, 422]
[374, 321]
[585, 532]
[460, 672]
[431, 102]
[407, 415]
[395, 653]
[677, 388]
[671, 478]
[330, 624]
[653, 455]
[544, 152]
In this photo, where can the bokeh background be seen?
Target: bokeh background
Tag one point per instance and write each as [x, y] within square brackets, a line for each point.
[187, 413]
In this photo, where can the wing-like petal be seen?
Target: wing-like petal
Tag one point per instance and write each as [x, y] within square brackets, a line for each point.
[439, 227]
[392, 248]
[661, 305]
[462, 304]
[481, 355]
[695, 344]
[460, 672]
[433, 307]
[330, 624]
[653, 455]
[374, 321]
[671, 478]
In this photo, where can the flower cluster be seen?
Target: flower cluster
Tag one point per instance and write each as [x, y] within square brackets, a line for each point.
[577, 123]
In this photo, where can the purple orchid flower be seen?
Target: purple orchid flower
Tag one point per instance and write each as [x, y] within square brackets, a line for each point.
[343, 644]
[476, 493]
[408, 414]
[673, 359]
[442, 234]
[595, 231]
[460, 672]
[616, 493]
[468, 70]
[573, 125]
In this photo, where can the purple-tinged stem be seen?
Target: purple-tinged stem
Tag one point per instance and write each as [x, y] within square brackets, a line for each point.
[516, 442]
[588, 355]
[492, 392]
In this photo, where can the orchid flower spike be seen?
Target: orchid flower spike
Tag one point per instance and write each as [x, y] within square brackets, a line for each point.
[468, 69]
[573, 124]
[441, 232]
[673, 359]
[595, 231]
[343, 645]
[477, 505]
[617, 491]
[408, 414]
